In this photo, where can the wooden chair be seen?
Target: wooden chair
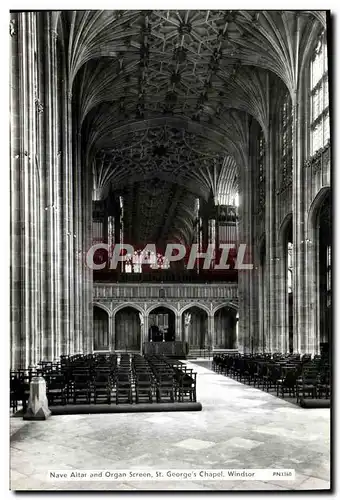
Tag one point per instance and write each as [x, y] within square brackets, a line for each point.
[143, 386]
[165, 386]
[102, 387]
[81, 387]
[56, 389]
[287, 384]
[123, 387]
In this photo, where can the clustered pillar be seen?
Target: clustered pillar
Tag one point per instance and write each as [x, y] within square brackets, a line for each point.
[48, 229]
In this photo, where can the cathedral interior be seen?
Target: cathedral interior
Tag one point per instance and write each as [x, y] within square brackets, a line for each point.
[132, 132]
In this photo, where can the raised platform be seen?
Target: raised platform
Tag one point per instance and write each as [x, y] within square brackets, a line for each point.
[124, 408]
[176, 349]
[315, 403]
[88, 409]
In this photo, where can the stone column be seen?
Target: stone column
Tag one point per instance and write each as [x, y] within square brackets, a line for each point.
[78, 229]
[59, 234]
[87, 279]
[25, 200]
[270, 239]
[245, 277]
[236, 332]
[273, 254]
[112, 332]
[15, 183]
[303, 340]
[143, 329]
[40, 179]
[179, 334]
[211, 331]
[50, 200]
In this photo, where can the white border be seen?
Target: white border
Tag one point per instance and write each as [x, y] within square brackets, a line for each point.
[4, 186]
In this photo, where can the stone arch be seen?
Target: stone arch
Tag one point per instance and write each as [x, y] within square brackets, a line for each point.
[261, 244]
[225, 326]
[320, 319]
[128, 327]
[195, 304]
[231, 305]
[101, 328]
[285, 235]
[314, 208]
[196, 331]
[162, 304]
[128, 304]
[161, 327]
[288, 218]
[262, 293]
[104, 307]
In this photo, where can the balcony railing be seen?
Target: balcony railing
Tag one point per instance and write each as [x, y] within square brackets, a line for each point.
[178, 291]
[167, 276]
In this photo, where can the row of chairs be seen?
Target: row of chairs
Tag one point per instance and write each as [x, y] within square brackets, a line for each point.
[173, 379]
[289, 375]
[143, 379]
[103, 378]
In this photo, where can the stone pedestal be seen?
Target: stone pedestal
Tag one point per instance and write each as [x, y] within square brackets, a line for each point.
[37, 404]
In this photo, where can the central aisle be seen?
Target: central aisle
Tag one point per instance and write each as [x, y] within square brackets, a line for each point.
[239, 427]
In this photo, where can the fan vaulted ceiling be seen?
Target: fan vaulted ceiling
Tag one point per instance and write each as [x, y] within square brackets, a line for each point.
[164, 99]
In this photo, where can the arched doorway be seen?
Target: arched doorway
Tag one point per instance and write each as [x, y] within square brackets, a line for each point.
[101, 341]
[161, 325]
[262, 298]
[324, 271]
[225, 328]
[288, 272]
[127, 329]
[195, 327]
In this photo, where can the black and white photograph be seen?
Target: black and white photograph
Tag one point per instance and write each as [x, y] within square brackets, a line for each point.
[170, 257]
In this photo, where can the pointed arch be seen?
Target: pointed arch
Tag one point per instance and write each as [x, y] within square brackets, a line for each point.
[195, 304]
[104, 307]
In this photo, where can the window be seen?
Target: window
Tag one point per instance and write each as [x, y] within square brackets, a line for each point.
[319, 105]
[212, 230]
[124, 264]
[329, 275]
[290, 267]
[261, 166]
[287, 138]
[134, 262]
[111, 234]
[98, 232]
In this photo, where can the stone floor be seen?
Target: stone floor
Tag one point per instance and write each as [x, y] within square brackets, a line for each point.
[239, 427]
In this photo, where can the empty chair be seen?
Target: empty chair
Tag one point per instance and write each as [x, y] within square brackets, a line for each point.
[15, 391]
[56, 389]
[186, 386]
[271, 378]
[143, 386]
[81, 388]
[307, 384]
[123, 387]
[287, 383]
[323, 387]
[102, 387]
[165, 387]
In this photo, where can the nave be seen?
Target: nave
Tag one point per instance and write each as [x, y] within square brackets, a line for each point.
[239, 427]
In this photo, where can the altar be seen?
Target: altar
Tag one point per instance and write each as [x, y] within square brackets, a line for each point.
[175, 349]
